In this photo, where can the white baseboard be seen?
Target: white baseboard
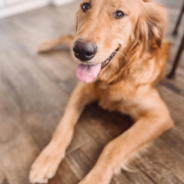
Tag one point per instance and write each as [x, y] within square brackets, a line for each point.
[22, 7]
[61, 2]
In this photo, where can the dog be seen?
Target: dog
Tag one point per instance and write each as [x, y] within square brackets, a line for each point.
[122, 52]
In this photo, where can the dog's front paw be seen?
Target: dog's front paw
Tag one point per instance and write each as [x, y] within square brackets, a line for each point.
[93, 181]
[46, 165]
[96, 179]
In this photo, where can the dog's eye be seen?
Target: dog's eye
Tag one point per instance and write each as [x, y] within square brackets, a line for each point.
[118, 14]
[85, 7]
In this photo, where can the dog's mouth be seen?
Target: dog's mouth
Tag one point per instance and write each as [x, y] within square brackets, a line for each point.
[88, 73]
[107, 61]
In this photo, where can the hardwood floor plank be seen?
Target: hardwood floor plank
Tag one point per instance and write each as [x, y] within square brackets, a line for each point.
[82, 160]
[17, 148]
[17, 156]
[158, 172]
[33, 96]
[34, 90]
[175, 104]
[2, 176]
[178, 80]
[64, 175]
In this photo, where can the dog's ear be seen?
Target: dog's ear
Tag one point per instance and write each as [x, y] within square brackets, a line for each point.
[151, 24]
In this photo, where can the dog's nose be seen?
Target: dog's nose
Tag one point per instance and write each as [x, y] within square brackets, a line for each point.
[84, 50]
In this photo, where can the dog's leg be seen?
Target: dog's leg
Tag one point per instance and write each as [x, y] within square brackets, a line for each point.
[50, 45]
[48, 161]
[154, 122]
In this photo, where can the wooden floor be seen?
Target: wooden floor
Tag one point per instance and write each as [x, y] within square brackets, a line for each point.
[34, 90]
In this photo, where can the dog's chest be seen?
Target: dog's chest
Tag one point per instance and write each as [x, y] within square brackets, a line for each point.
[116, 97]
[111, 97]
[109, 102]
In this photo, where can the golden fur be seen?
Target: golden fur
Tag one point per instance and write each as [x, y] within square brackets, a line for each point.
[126, 84]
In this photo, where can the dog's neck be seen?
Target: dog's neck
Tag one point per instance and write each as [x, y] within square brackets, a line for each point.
[128, 65]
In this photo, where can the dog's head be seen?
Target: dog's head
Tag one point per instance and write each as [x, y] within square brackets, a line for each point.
[106, 28]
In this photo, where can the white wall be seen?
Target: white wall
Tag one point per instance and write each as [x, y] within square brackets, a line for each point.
[13, 7]
[61, 2]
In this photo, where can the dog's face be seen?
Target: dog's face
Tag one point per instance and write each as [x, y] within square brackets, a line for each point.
[105, 27]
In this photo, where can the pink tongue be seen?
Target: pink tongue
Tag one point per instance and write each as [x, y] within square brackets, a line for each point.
[87, 73]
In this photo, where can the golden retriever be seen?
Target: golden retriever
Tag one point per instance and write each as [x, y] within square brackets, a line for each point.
[122, 52]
